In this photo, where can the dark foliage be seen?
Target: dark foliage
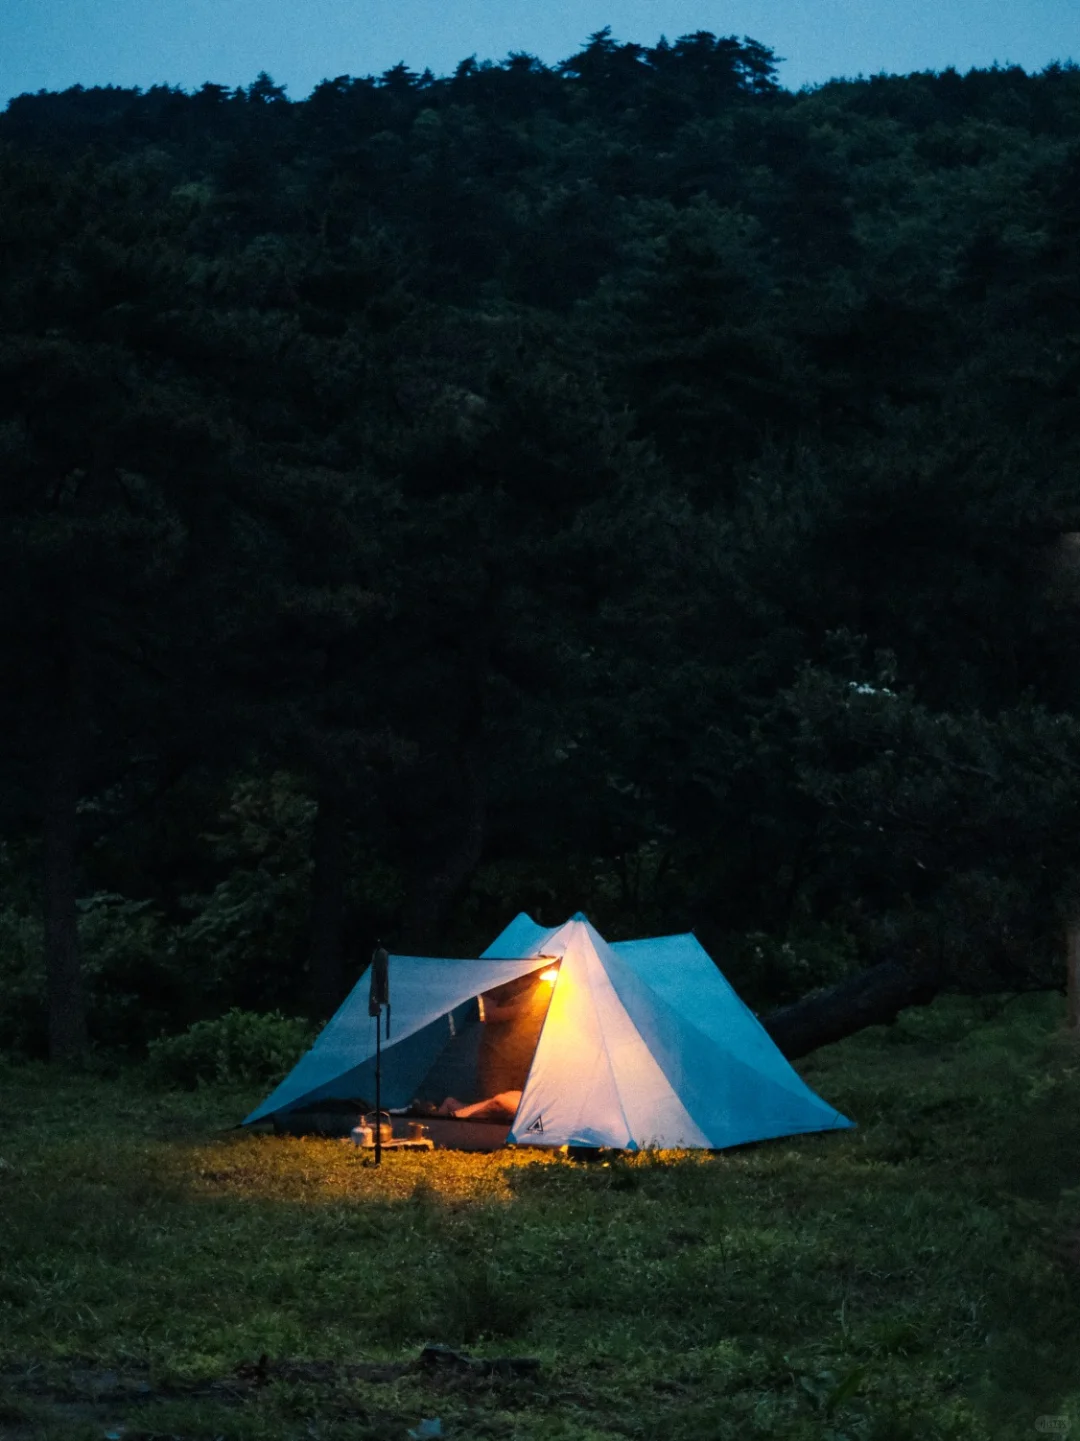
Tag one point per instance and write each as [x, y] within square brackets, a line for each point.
[623, 485]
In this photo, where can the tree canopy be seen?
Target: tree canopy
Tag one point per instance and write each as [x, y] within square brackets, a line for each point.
[622, 485]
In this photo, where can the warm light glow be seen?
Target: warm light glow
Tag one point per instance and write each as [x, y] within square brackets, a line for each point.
[552, 974]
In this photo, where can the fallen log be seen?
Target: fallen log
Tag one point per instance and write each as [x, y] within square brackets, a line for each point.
[874, 997]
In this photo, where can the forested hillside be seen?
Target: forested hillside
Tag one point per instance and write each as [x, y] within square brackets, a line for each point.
[624, 486]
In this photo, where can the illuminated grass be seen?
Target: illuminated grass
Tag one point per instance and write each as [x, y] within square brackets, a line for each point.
[912, 1279]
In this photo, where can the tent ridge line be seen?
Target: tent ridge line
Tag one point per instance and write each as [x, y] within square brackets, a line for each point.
[475, 960]
[603, 1033]
[667, 1005]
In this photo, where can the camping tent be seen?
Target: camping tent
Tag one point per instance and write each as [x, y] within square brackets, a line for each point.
[630, 1045]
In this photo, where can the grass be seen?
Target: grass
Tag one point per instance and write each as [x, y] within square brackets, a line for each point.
[916, 1279]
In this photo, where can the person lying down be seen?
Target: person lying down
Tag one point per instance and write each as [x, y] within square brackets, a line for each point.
[500, 1107]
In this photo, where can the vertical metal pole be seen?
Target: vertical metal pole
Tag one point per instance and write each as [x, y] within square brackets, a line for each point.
[378, 1088]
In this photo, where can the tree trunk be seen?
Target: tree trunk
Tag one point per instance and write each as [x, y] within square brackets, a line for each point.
[64, 983]
[1072, 977]
[874, 997]
[327, 903]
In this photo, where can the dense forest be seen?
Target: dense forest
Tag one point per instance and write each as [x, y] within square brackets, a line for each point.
[625, 486]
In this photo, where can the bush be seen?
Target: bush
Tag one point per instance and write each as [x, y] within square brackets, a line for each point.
[241, 943]
[133, 981]
[767, 971]
[242, 1047]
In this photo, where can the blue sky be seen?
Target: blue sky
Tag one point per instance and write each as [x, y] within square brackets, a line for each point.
[54, 43]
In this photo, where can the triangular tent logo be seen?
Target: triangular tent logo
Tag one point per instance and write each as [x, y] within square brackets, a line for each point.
[536, 1127]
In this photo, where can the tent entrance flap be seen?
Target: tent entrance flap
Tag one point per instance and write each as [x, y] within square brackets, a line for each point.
[426, 988]
[490, 1044]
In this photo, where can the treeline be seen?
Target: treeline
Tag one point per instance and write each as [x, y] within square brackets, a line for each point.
[625, 486]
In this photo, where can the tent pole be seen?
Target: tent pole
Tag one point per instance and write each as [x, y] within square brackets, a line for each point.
[378, 1088]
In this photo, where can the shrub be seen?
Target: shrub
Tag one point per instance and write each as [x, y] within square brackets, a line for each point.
[242, 939]
[769, 971]
[132, 982]
[241, 1047]
[132, 978]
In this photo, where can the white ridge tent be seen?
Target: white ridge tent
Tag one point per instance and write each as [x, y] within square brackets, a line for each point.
[630, 1045]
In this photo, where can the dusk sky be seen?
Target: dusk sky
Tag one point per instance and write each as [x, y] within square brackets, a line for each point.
[50, 44]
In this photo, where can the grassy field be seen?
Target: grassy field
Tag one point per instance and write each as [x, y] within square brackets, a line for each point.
[916, 1279]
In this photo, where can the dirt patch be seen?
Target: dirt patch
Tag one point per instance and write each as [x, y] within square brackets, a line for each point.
[104, 1396]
